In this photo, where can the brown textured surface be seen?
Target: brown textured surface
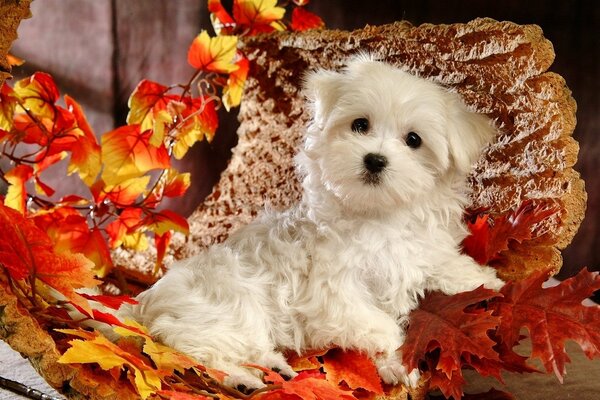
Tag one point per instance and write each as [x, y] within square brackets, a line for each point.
[499, 69]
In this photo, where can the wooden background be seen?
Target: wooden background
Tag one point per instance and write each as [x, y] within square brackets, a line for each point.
[98, 50]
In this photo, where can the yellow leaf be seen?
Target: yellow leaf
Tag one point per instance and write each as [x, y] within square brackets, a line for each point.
[127, 191]
[137, 241]
[232, 93]
[213, 54]
[127, 153]
[97, 349]
[16, 195]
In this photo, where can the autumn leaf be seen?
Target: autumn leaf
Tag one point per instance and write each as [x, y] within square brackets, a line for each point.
[200, 121]
[258, 16]
[37, 94]
[308, 387]
[232, 93]
[20, 241]
[125, 224]
[176, 184]
[164, 221]
[354, 368]
[161, 242]
[213, 54]
[146, 96]
[222, 22]
[303, 20]
[16, 196]
[445, 323]
[85, 151]
[110, 301]
[552, 316]
[70, 232]
[8, 104]
[126, 192]
[108, 355]
[127, 154]
[491, 235]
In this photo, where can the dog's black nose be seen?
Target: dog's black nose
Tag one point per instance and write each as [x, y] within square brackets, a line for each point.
[375, 163]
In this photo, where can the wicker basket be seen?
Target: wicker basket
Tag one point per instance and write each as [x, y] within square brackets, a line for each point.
[498, 67]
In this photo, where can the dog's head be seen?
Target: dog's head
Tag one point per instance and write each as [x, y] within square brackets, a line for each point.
[381, 137]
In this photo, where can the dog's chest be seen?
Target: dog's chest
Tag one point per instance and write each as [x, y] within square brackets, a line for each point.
[376, 253]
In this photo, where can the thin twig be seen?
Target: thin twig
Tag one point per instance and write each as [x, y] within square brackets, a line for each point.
[25, 390]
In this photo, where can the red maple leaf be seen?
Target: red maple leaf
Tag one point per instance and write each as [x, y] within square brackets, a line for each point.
[459, 331]
[552, 316]
[354, 368]
[492, 234]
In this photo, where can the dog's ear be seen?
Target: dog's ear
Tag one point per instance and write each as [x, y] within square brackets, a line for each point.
[321, 88]
[468, 133]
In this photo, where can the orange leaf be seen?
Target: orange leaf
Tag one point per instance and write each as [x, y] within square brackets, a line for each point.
[99, 350]
[303, 20]
[127, 154]
[16, 196]
[127, 222]
[491, 236]
[354, 368]
[176, 184]
[258, 16]
[85, 151]
[232, 93]
[38, 93]
[146, 96]
[125, 193]
[20, 241]
[307, 387]
[221, 21]
[8, 104]
[161, 243]
[213, 54]
[200, 120]
[164, 221]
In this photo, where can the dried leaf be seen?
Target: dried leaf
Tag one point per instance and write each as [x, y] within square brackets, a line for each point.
[552, 316]
[445, 323]
[354, 368]
[97, 349]
[490, 235]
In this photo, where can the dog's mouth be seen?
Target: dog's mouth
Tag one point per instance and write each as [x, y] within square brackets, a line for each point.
[371, 178]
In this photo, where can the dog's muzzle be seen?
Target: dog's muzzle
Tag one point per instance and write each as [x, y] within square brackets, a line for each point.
[374, 164]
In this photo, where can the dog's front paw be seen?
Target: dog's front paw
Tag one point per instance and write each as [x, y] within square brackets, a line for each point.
[392, 371]
[494, 284]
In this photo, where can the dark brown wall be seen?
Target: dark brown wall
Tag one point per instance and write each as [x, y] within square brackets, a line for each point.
[100, 49]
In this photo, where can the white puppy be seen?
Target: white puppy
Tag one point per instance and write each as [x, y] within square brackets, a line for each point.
[384, 167]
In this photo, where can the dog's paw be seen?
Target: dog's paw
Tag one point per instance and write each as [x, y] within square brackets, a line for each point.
[392, 371]
[276, 362]
[242, 379]
[494, 284]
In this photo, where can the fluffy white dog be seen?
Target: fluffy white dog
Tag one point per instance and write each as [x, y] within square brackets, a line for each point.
[384, 166]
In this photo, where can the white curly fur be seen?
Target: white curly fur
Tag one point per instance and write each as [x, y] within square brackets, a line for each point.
[350, 261]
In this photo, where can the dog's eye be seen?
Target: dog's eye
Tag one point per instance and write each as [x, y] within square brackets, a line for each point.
[413, 140]
[360, 125]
